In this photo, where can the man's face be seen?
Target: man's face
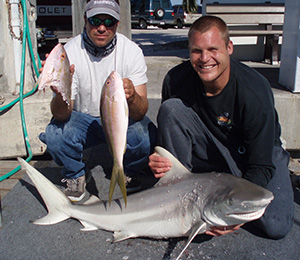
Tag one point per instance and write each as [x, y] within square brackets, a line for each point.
[100, 35]
[210, 57]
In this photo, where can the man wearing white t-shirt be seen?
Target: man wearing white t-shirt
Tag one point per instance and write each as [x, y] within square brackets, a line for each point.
[97, 52]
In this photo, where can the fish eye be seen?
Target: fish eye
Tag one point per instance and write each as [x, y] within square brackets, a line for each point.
[62, 56]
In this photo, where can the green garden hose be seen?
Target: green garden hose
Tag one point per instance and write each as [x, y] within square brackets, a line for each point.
[26, 38]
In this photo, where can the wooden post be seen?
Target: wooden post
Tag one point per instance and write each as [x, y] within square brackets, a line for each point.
[289, 74]
[78, 7]
[125, 18]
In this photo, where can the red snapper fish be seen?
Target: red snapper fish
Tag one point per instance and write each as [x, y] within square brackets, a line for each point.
[114, 118]
[56, 73]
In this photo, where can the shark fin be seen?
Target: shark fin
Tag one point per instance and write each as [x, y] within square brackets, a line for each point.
[51, 218]
[88, 226]
[120, 236]
[177, 171]
[57, 203]
[92, 200]
[197, 229]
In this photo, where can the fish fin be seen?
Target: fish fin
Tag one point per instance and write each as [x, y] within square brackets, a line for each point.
[120, 236]
[177, 171]
[92, 200]
[126, 109]
[117, 176]
[51, 218]
[57, 203]
[122, 185]
[88, 226]
[197, 229]
[39, 79]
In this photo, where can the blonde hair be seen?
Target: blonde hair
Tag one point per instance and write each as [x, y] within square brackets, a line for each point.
[205, 23]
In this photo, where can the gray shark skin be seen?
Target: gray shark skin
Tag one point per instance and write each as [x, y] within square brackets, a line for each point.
[180, 204]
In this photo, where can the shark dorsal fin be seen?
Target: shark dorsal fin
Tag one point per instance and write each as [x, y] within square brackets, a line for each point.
[177, 171]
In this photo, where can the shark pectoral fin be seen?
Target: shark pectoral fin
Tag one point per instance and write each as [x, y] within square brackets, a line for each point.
[120, 236]
[197, 229]
[51, 218]
[87, 226]
[92, 200]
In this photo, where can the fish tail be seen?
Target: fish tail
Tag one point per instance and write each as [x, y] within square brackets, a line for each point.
[117, 176]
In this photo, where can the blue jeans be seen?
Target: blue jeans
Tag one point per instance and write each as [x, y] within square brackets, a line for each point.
[66, 141]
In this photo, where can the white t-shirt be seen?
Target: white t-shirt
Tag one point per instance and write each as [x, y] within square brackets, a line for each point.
[91, 72]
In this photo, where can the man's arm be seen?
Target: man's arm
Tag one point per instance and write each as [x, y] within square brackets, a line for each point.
[60, 109]
[136, 99]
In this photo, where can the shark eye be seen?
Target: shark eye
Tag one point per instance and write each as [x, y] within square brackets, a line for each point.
[230, 201]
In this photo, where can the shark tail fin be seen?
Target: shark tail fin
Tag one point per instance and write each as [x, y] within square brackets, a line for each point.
[57, 203]
[117, 176]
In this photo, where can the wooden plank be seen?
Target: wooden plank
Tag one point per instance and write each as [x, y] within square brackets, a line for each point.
[3, 193]
[254, 32]
[251, 18]
[18, 175]
[8, 184]
[218, 9]
[7, 165]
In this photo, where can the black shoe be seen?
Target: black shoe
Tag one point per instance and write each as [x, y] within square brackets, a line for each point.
[133, 184]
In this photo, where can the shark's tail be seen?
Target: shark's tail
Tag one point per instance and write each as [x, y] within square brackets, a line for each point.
[57, 203]
[117, 176]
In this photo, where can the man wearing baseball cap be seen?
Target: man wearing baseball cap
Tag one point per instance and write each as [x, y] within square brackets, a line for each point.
[111, 8]
[97, 52]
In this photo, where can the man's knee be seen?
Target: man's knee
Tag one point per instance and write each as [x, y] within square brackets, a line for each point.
[276, 227]
[55, 136]
[170, 111]
[170, 106]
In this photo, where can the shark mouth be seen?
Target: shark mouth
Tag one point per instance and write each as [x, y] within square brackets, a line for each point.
[248, 215]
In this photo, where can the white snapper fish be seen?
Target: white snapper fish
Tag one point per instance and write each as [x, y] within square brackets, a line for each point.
[56, 73]
[114, 118]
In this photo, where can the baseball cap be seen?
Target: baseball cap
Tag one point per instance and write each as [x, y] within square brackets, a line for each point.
[109, 7]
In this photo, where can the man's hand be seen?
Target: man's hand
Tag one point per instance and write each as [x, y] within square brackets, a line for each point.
[159, 165]
[222, 230]
[136, 97]
[129, 89]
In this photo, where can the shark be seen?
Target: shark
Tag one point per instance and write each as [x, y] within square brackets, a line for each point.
[180, 204]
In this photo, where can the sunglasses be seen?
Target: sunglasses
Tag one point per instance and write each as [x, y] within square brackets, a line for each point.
[108, 22]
